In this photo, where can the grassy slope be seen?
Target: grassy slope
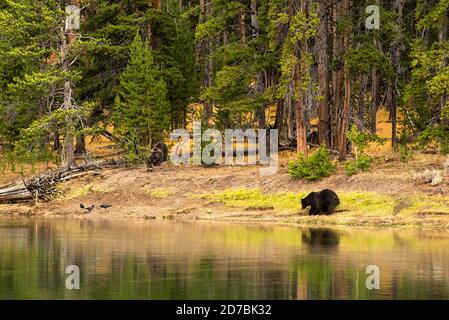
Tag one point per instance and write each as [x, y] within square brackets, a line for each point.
[357, 208]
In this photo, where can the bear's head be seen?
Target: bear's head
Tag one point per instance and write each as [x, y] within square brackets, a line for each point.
[309, 200]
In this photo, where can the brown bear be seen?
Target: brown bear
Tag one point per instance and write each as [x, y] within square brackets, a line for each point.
[157, 156]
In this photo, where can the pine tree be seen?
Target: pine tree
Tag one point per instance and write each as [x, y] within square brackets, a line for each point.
[29, 35]
[141, 113]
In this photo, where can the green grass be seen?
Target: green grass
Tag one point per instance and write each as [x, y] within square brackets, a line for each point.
[159, 193]
[255, 199]
[369, 203]
[288, 202]
[419, 204]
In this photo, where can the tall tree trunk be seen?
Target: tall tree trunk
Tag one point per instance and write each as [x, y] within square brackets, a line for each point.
[396, 57]
[442, 37]
[375, 103]
[301, 136]
[443, 34]
[225, 37]
[260, 112]
[343, 128]
[254, 20]
[361, 102]
[56, 141]
[301, 69]
[260, 116]
[67, 39]
[290, 113]
[199, 44]
[242, 28]
[208, 67]
[337, 76]
[344, 117]
[278, 122]
[80, 145]
[323, 86]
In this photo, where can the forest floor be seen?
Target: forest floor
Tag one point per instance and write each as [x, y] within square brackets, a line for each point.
[388, 195]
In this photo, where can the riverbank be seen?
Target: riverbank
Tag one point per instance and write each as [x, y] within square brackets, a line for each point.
[386, 196]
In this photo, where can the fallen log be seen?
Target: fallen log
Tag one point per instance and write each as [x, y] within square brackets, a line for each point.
[15, 193]
[43, 187]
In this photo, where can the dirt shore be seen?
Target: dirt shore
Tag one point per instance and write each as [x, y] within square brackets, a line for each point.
[386, 196]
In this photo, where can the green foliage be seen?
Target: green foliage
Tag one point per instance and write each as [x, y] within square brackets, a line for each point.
[317, 166]
[353, 167]
[226, 12]
[144, 88]
[141, 106]
[361, 141]
[405, 153]
[404, 147]
[237, 87]
[29, 32]
[424, 95]
[432, 18]
[33, 143]
[366, 58]
[302, 27]
[438, 134]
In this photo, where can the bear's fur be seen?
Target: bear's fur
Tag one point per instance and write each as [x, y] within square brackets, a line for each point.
[323, 202]
[157, 156]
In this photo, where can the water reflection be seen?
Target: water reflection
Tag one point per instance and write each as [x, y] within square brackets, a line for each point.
[152, 260]
[320, 237]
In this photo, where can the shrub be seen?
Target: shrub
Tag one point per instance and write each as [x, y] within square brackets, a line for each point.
[405, 153]
[317, 166]
[353, 167]
[439, 135]
[361, 140]
[404, 147]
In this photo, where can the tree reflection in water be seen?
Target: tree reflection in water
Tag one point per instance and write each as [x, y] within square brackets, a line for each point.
[169, 260]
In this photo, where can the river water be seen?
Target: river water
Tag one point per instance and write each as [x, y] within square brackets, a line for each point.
[127, 259]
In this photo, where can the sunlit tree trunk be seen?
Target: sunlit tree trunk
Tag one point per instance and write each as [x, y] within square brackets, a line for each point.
[375, 103]
[300, 93]
[301, 136]
[323, 85]
[67, 39]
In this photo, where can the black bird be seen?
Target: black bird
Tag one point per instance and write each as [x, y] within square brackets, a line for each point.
[105, 206]
[89, 209]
